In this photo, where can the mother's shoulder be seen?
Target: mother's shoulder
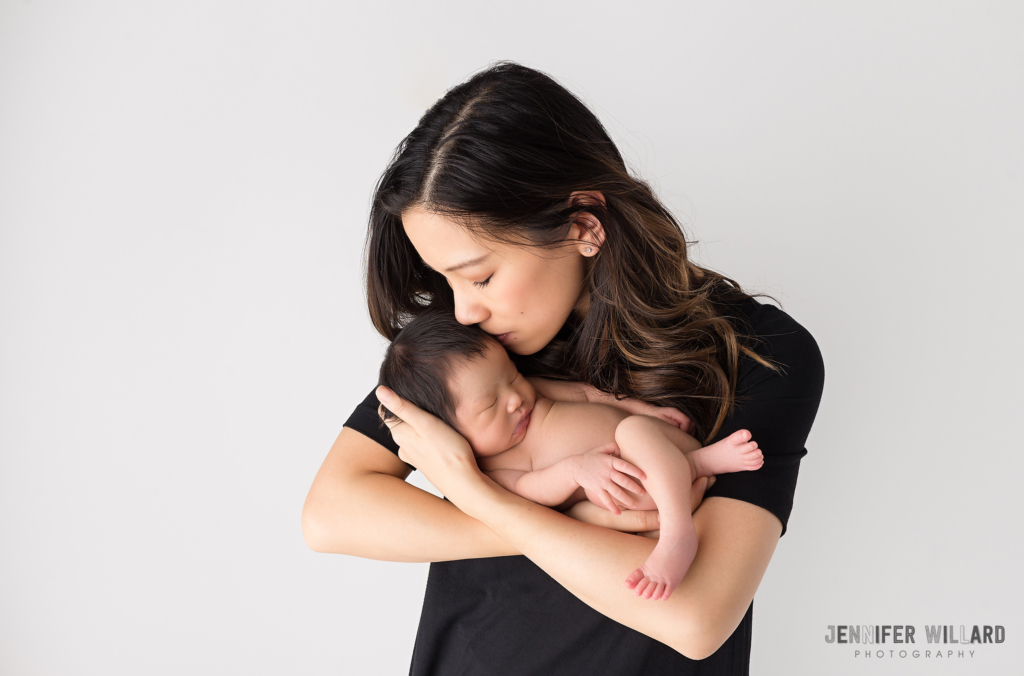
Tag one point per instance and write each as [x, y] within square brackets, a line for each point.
[779, 338]
[764, 321]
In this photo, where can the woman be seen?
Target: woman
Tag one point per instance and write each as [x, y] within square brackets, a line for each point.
[510, 206]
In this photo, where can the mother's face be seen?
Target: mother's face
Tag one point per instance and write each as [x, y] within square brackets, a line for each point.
[521, 295]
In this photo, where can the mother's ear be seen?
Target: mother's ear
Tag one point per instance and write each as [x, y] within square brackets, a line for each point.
[587, 227]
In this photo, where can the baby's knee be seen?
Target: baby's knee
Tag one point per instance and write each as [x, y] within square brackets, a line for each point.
[635, 427]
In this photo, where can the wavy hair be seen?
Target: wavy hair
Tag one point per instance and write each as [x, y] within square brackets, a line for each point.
[503, 154]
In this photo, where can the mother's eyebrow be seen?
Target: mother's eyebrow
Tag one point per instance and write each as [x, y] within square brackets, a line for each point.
[466, 264]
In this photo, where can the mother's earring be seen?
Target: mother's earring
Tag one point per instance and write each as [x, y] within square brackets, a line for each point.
[589, 249]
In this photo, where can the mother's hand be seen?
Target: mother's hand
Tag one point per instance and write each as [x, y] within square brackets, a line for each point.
[634, 521]
[434, 448]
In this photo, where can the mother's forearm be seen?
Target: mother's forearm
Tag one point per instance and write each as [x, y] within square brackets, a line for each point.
[385, 518]
[593, 562]
[359, 504]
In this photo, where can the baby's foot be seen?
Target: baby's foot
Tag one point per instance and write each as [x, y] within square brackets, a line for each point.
[664, 568]
[735, 453]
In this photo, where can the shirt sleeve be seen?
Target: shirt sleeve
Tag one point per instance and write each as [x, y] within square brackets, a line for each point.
[367, 422]
[778, 408]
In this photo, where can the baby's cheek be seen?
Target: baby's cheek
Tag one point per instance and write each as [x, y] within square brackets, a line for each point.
[485, 443]
[491, 446]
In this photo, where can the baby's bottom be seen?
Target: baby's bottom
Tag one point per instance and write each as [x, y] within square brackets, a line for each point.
[655, 447]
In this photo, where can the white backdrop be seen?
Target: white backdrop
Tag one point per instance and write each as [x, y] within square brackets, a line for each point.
[183, 195]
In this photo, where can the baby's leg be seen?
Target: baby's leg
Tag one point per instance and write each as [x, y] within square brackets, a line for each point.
[735, 453]
[643, 442]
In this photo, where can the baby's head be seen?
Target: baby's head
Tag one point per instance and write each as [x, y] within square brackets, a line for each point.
[463, 376]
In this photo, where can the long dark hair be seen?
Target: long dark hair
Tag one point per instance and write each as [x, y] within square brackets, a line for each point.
[503, 153]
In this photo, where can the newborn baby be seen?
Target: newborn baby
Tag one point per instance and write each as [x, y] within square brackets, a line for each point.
[530, 436]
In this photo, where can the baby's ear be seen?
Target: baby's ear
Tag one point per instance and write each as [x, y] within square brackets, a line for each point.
[386, 415]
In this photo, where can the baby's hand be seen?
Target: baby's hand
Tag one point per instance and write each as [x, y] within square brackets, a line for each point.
[673, 416]
[603, 476]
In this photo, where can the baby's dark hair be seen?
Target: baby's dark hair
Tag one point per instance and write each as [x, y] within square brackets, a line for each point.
[421, 359]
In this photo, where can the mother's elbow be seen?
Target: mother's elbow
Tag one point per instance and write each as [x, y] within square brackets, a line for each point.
[315, 530]
[698, 639]
[312, 533]
[697, 648]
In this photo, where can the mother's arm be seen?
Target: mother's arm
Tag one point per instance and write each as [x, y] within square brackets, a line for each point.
[736, 542]
[360, 504]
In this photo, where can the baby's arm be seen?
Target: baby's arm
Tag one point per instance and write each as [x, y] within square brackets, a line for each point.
[550, 486]
[563, 390]
[601, 474]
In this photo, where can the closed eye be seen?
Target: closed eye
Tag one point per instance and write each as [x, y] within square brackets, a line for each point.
[483, 283]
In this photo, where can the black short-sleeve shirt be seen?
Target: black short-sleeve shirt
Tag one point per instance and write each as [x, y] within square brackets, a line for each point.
[505, 615]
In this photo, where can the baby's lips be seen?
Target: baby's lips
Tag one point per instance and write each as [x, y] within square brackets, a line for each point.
[523, 422]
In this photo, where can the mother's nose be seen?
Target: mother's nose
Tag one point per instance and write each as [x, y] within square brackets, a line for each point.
[468, 310]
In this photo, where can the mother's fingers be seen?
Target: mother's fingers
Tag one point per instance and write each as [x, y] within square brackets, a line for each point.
[402, 410]
[628, 521]
[697, 489]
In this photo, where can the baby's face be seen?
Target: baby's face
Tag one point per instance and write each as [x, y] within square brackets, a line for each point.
[494, 401]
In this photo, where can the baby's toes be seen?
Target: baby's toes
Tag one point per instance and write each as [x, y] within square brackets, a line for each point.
[741, 437]
[634, 578]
